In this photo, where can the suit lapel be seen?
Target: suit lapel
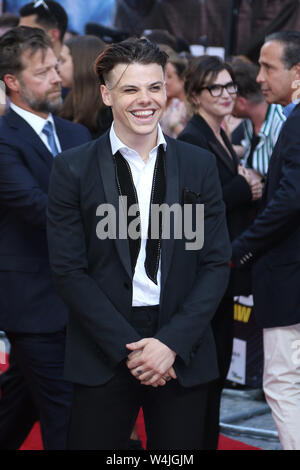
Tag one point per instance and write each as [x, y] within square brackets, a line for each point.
[62, 135]
[108, 176]
[172, 197]
[214, 145]
[30, 136]
[223, 155]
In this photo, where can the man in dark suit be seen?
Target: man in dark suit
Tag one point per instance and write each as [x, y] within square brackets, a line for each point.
[31, 314]
[140, 306]
[273, 242]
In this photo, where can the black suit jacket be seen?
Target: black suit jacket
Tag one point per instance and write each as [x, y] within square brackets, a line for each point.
[94, 276]
[273, 241]
[236, 191]
[28, 301]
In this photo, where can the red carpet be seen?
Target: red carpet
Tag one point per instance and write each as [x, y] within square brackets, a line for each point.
[34, 442]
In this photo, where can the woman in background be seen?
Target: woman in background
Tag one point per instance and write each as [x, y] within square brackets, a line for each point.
[175, 116]
[211, 93]
[83, 103]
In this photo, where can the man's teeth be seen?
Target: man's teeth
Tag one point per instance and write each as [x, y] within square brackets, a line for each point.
[142, 113]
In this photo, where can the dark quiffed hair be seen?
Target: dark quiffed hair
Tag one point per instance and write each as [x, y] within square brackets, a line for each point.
[130, 51]
[201, 72]
[291, 43]
[245, 77]
[49, 14]
[15, 42]
[83, 103]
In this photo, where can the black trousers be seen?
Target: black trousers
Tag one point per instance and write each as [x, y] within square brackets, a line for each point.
[223, 328]
[18, 412]
[40, 359]
[102, 417]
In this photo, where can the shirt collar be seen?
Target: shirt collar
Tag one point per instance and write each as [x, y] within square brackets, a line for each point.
[117, 144]
[289, 108]
[36, 122]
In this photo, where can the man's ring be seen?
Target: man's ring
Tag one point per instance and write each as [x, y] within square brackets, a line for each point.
[139, 372]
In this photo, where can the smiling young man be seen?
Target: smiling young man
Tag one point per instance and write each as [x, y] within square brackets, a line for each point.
[136, 120]
[273, 241]
[140, 306]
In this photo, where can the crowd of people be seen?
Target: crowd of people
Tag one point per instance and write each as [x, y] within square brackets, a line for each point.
[102, 317]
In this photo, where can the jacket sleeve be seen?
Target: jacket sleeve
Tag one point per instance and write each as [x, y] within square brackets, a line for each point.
[236, 192]
[94, 311]
[19, 191]
[281, 215]
[190, 323]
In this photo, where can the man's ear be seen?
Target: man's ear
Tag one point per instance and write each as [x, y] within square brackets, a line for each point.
[241, 101]
[54, 35]
[11, 82]
[297, 71]
[106, 96]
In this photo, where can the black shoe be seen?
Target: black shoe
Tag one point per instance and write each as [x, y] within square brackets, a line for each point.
[135, 444]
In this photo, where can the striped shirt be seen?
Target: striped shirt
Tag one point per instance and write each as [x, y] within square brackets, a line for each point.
[268, 136]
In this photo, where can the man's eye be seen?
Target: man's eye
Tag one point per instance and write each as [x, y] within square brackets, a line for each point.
[129, 90]
[156, 88]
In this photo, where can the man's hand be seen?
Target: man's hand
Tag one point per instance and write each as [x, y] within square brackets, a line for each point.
[169, 375]
[256, 184]
[254, 179]
[256, 190]
[150, 361]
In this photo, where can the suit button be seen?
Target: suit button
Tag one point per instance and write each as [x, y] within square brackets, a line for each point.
[126, 285]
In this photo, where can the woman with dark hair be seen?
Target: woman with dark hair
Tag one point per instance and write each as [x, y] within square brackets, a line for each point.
[211, 93]
[174, 117]
[83, 102]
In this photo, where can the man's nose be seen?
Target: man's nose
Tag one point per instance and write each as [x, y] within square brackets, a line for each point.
[144, 96]
[260, 77]
[55, 78]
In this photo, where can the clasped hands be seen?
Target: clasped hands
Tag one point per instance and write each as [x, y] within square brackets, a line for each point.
[151, 362]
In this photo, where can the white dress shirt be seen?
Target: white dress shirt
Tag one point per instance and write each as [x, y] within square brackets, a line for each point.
[145, 291]
[37, 123]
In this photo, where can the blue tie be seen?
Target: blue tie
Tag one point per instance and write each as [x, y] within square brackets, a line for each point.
[48, 131]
